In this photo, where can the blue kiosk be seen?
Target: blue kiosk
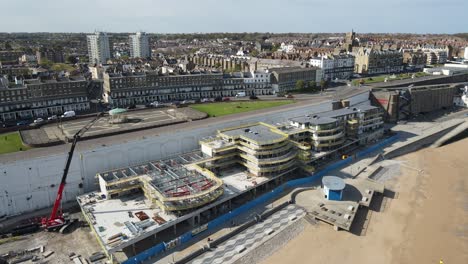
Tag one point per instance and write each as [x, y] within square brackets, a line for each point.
[333, 187]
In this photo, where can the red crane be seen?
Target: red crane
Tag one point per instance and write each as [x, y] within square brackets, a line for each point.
[56, 218]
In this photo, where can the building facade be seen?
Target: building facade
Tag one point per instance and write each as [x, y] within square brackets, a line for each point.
[415, 59]
[140, 45]
[285, 79]
[123, 89]
[98, 48]
[10, 55]
[26, 99]
[261, 148]
[436, 56]
[50, 55]
[144, 87]
[319, 133]
[334, 66]
[375, 61]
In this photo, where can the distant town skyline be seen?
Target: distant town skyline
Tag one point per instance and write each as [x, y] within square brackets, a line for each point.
[205, 16]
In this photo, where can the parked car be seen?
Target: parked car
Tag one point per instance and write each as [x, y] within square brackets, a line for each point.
[226, 99]
[188, 102]
[38, 120]
[205, 100]
[218, 99]
[240, 94]
[50, 118]
[69, 114]
[253, 97]
[23, 122]
[289, 96]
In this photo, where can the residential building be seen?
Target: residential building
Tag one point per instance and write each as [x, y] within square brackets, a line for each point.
[263, 46]
[51, 55]
[334, 66]
[375, 61]
[436, 55]
[288, 48]
[252, 83]
[466, 53]
[98, 48]
[140, 45]
[415, 60]
[28, 58]
[10, 55]
[25, 99]
[144, 87]
[285, 79]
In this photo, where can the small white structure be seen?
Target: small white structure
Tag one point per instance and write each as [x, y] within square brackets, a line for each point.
[117, 116]
[462, 100]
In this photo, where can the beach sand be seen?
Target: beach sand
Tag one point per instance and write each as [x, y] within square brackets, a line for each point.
[426, 221]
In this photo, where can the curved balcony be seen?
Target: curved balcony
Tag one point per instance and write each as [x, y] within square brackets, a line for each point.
[288, 156]
[320, 145]
[331, 137]
[281, 148]
[265, 148]
[269, 169]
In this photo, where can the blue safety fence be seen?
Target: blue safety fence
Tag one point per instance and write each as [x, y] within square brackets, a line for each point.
[275, 193]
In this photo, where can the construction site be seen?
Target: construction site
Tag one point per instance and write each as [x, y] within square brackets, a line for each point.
[153, 202]
[150, 208]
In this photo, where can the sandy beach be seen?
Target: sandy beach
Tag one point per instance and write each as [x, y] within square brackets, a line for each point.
[426, 221]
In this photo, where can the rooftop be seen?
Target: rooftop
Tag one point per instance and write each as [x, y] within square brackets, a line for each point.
[260, 133]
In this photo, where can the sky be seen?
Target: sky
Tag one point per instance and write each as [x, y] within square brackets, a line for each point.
[189, 16]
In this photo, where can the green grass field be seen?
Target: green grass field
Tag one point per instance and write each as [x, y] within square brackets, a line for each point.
[227, 108]
[381, 78]
[11, 142]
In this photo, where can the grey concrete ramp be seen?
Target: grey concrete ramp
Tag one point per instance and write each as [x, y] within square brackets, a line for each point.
[462, 128]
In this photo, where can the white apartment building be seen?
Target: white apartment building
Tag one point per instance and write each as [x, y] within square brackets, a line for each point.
[334, 66]
[466, 53]
[258, 79]
[140, 45]
[98, 48]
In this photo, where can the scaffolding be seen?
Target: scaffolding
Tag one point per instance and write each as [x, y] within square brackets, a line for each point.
[173, 184]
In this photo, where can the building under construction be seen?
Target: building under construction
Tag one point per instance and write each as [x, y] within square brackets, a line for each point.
[402, 103]
[141, 205]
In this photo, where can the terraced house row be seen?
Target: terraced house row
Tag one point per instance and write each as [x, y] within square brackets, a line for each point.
[25, 99]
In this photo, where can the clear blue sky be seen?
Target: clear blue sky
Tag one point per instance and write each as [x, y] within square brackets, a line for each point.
[181, 16]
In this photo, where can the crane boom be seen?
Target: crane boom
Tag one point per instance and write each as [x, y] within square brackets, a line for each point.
[56, 219]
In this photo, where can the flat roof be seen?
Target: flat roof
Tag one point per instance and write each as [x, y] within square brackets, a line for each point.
[333, 183]
[329, 116]
[317, 120]
[259, 133]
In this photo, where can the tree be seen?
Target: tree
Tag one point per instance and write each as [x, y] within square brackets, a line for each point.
[323, 84]
[300, 84]
[312, 85]
[8, 45]
[72, 59]
[254, 53]
[46, 63]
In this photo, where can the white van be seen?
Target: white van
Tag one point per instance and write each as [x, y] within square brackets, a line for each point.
[240, 94]
[69, 114]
